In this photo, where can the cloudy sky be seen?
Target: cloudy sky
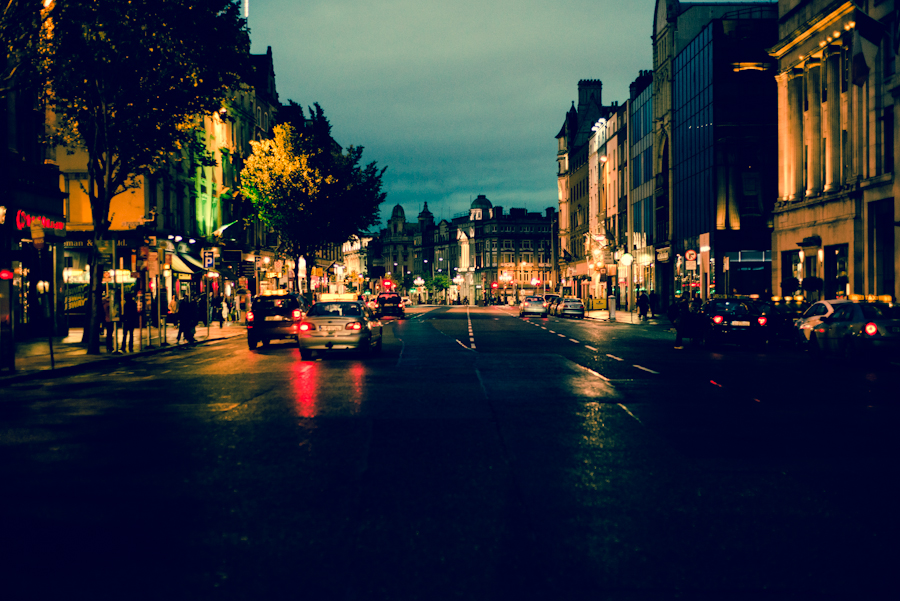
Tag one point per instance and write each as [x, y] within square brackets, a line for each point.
[456, 97]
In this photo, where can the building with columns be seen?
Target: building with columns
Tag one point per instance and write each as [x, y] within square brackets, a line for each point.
[837, 206]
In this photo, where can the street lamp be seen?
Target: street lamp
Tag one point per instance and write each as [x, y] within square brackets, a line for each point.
[628, 261]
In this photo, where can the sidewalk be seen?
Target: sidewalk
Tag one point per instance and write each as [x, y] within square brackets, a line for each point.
[630, 317]
[69, 353]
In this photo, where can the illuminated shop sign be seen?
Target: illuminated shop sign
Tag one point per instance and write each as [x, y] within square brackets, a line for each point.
[24, 221]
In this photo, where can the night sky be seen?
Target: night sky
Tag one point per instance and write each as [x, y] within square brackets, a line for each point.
[455, 98]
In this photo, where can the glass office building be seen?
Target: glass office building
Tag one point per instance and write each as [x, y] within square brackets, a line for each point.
[725, 155]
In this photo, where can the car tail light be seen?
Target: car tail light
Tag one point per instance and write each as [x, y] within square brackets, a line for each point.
[306, 327]
[871, 329]
[762, 320]
[718, 319]
[297, 314]
[353, 325]
[545, 304]
[249, 315]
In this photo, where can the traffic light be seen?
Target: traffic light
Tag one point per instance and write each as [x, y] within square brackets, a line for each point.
[494, 285]
[6, 274]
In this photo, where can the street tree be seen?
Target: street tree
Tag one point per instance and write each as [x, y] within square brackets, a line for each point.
[308, 189]
[20, 28]
[127, 81]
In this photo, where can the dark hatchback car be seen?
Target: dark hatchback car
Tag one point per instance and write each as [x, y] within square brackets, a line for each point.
[274, 315]
[389, 304]
[781, 314]
[732, 320]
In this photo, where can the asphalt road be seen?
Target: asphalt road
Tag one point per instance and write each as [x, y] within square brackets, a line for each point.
[479, 456]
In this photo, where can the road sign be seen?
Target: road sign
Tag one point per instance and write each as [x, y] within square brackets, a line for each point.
[690, 255]
[208, 259]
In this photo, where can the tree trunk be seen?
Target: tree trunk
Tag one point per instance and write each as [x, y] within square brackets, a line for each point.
[95, 308]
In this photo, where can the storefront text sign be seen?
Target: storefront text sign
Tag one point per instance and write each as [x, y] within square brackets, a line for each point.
[25, 220]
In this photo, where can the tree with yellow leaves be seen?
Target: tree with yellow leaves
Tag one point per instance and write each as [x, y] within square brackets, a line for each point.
[308, 189]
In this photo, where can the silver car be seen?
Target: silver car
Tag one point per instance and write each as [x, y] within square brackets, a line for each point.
[339, 325]
[571, 307]
[860, 330]
[534, 305]
[805, 324]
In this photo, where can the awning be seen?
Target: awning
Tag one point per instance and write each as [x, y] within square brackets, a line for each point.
[181, 265]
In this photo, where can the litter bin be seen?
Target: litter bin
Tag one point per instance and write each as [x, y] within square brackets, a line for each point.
[611, 303]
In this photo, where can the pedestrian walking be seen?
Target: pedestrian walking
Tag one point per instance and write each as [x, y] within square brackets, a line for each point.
[187, 317]
[643, 305]
[129, 322]
[222, 308]
[654, 304]
[682, 322]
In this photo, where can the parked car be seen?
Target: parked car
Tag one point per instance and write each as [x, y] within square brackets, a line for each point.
[732, 320]
[339, 322]
[553, 305]
[533, 305]
[273, 315]
[804, 325]
[859, 329]
[570, 307]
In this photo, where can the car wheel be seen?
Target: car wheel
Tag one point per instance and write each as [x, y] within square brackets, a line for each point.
[305, 354]
[265, 343]
[251, 343]
[378, 345]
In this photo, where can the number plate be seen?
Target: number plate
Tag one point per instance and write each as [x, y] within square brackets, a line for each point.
[331, 328]
[741, 323]
[273, 317]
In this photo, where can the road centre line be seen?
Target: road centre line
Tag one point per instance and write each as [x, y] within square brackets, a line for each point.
[591, 371]
[561, 335]
[630, 413]
[614, 357]
[646, 369]
[590, 348]
[575, 341]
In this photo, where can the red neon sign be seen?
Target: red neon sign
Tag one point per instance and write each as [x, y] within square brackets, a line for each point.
[24, 221]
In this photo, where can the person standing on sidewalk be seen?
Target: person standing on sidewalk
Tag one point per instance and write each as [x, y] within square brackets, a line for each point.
[643, 305]
[186, 317]
[682, 322]
[108, 322]
[173, 311]
[129, 322]
[654, 304]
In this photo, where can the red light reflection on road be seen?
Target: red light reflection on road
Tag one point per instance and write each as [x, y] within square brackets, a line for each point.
[306, 392]
[314, 396]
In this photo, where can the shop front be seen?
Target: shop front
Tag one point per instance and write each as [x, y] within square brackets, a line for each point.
[32, 243]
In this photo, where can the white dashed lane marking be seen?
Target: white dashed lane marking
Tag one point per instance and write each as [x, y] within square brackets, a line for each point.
[614, 357]
[590, 348]
[646, 369]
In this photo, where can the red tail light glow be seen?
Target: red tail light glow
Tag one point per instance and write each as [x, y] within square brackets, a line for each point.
[296, 313]
[871, 329]
[718, 319]
[762, 320]
[249, 315]
[306, 326]
[353, 325]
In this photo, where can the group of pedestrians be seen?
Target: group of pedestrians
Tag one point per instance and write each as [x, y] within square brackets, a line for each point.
[685, 314]
[184, 313]
[129, 317]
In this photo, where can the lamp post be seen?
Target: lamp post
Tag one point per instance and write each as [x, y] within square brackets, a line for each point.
[628, 261]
